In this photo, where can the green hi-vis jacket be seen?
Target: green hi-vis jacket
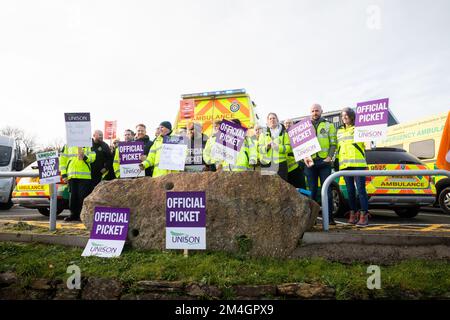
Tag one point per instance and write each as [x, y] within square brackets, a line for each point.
[269, 155]
[326, 134]
[73, 168]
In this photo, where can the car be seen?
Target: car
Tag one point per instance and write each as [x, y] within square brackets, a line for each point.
[403, 194]
[28, 193]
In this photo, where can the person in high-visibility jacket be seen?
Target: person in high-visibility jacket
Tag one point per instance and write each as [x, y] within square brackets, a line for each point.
[75, 166]
[247, 156]
[274, 146]
[295, 170]
[207, 156]
[351, 156]
[318, 166]
[128, 135]
[154, 155]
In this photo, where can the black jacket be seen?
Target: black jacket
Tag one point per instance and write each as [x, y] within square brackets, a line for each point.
[103, 159]
[147, 145]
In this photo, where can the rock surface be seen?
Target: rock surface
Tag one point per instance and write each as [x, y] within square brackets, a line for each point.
[246, 211]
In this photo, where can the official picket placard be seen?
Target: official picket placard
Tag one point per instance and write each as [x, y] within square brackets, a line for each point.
[229, 140]
[186, 220]
[371, 120]
[48, 164]
[303, 139]
[109, 232]
[173, 153]
[78, 129]
[129, 159]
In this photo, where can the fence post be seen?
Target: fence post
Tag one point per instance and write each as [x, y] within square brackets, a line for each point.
[53, 205]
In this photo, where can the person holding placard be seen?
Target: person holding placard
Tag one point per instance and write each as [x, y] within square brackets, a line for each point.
[75, 166]
[351, 156]
[274, 146]
[209, 159]
[154, 155]
[295, 169]
[196, 142]
[247, 157]
[318, 166]
[128, 136]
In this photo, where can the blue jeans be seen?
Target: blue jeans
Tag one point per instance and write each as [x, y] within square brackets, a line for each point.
[362, 193]
[322, 170]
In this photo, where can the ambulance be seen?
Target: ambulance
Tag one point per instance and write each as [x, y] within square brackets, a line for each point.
[422, 138]
[207, 107]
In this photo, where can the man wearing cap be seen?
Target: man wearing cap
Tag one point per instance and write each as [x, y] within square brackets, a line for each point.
[152, 159]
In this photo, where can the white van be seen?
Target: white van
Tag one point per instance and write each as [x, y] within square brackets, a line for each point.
[10, 160]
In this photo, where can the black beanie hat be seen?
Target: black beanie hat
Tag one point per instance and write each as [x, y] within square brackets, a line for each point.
[166, 124]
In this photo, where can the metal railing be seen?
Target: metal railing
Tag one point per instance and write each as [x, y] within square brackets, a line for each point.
[368, 173]
[53, 193]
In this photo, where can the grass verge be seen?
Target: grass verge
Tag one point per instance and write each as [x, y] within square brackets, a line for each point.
[417, 278]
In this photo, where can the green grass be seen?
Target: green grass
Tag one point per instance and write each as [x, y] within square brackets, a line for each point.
[418, 277]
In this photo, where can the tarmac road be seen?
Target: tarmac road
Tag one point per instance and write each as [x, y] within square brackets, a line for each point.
[428, 216]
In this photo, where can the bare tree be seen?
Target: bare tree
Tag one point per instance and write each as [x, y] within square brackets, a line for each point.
[26, 142]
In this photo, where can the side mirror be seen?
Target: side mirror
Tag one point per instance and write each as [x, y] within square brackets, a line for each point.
[18, 165]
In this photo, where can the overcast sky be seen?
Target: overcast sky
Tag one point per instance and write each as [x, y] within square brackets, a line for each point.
[131, 60]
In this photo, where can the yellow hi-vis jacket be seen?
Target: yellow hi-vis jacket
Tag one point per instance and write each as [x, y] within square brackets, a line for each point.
[350, 153]
[73, 168]
[116, 163]
[246, 155]
[326, 134]
[153, 158]
[292, 164]
[209, 160]
[267, 156]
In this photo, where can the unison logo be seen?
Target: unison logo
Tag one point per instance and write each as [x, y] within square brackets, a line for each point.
[179, 237]
[101, 248]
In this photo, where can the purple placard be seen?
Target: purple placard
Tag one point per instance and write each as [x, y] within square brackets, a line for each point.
[186, 209]
[110, 223]
[231, 135]
[371, 113]
[130, 152]
[48, 168]
[301, 132]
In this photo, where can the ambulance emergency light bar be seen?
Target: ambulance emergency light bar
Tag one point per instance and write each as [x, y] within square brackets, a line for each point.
[213, 93]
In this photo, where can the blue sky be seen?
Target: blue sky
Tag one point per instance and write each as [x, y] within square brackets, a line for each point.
[131, 60]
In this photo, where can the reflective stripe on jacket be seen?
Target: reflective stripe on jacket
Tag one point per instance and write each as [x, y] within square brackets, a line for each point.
[74, 168]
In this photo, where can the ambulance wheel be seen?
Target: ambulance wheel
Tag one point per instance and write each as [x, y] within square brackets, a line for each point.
[407, 212]
[46, 211]
[444, 200]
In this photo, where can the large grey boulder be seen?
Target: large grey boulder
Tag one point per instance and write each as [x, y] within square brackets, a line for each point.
[245, 211]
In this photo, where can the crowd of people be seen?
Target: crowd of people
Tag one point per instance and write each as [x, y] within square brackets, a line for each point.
[266, 149]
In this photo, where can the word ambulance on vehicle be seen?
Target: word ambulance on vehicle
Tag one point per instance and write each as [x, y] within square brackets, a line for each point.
[207, 107]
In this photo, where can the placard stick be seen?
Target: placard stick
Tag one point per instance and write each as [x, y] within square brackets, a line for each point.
[186, 253]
